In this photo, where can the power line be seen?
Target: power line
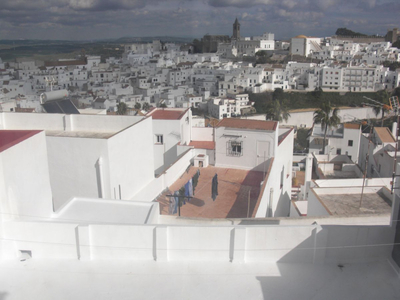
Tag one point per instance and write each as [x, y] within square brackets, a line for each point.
[191, 249]
[116, 223]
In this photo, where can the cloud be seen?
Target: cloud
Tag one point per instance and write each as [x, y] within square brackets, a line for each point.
[12, 5]
[116, 18]
[238, 3]
[103, 5]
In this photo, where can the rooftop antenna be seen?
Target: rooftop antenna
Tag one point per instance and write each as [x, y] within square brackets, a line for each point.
[50, 82]
[394, 102]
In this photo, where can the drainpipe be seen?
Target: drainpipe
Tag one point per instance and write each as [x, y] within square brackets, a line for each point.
[271, 200]
[101, 176]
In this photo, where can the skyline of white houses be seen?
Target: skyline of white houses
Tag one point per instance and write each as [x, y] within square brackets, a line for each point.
[159, 203]
[167, 74]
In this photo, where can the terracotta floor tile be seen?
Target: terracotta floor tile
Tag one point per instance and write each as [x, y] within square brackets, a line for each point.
[233, 192]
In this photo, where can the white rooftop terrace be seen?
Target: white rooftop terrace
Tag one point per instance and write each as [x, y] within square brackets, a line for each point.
[351, 201]
[103, 211]
[88, 126]
[67, 279]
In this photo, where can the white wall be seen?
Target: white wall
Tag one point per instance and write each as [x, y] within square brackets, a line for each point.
[275, 199]
[130, 155]
[355, 136]
[268, 243]
[102, 122]
[250, 139]
[73, 168]
[305, 119]
[24, 179]
[61, 122]
[121, 242]
[46, 240]
[315, 207]
[32, 121]
[165, 179]
[171, 131]
[352, 182]
[202, 134]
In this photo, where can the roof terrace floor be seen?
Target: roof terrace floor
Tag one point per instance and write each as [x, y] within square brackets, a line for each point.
[145, 279]
[234, 187]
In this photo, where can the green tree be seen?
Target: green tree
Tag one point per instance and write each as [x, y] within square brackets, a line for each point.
[393, 66]
[122, 108]
[262, 57]
[278, 94]
[163, 105]
[301, 140]
[278, 108]
[396, 92]
[328, 117]
[137, 105]
[260, 101]
[318, 93]
[146, 106]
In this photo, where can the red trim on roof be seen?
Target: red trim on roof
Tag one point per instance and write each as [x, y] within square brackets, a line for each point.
[167, 114]
[283, 136]
[248, 124]
[209, 145]
[9, 138]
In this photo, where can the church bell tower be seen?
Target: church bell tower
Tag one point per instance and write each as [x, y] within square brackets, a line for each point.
[236, 30]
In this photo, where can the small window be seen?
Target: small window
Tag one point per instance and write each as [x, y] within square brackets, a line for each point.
[159, 139]
[234, 148]
[350, 143]
[338, 151]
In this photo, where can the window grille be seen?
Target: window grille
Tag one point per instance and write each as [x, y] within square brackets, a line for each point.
[235, 148]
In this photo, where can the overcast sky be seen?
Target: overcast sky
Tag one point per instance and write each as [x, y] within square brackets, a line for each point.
[95, 19]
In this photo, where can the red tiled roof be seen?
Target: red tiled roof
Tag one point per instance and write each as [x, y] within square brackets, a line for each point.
[9, 138]
[352, 126]
[203, 145]
[167, 114]
[248, 124]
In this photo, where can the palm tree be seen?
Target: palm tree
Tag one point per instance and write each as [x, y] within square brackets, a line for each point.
[328, 117]
[277, 110]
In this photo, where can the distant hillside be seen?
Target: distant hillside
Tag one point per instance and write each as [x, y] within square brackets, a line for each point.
[348, 32]
[37, 42]
[149, 39]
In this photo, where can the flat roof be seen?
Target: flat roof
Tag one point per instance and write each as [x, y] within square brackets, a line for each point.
[166, 114]
[9, 138]
[86, 210]
[80, 134]
[347, 203]
[147, 279]
[248, 124]
[301, 207]
[384, 134]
